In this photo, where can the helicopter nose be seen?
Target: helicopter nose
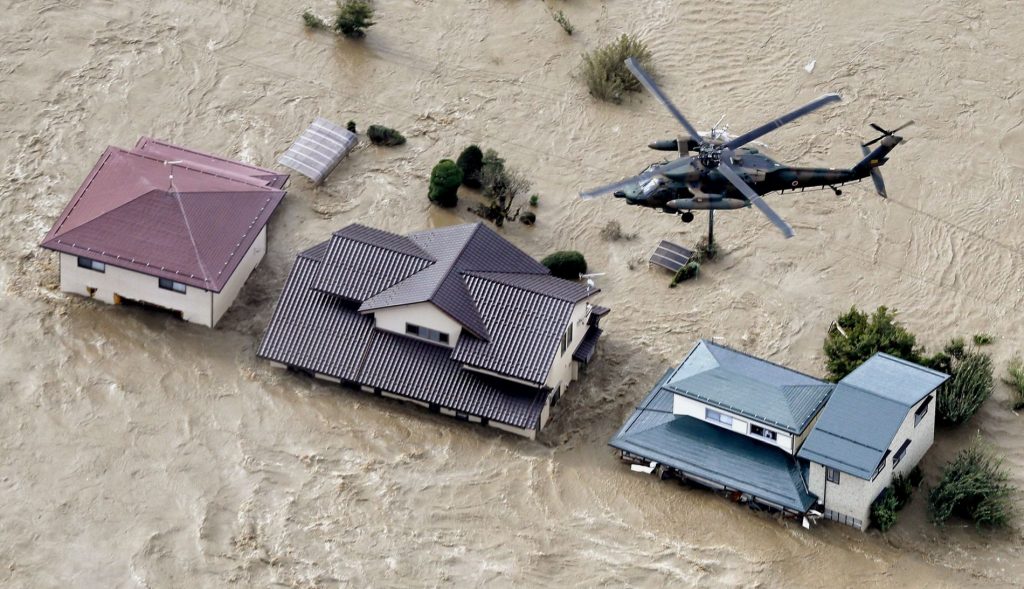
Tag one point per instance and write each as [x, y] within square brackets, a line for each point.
[619, 194]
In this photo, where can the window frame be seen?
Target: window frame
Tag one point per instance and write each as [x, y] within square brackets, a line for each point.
[566, 340]
[922, 411]
[832, 475]
[765, 433]
[172, 285]
[426, 333]
[901, 453]
[881, 464]
[91, 264]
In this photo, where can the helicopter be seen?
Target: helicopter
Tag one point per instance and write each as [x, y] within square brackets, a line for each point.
[725, 173]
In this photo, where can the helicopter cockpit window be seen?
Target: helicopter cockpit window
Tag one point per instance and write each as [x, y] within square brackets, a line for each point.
[650, 186]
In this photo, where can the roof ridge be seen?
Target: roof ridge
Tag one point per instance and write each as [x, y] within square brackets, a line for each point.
[144, 139]
[455, 258]
[77, 197]
[478, 274]
[425, 254]
[766, 361]
[199, 168]
[877, 396]
[907, 363]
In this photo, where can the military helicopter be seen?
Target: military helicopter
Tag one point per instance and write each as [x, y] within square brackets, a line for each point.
[726, 174]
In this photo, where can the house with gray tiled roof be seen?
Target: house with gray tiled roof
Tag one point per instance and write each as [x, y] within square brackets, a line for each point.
[782, 439]
[456, 319]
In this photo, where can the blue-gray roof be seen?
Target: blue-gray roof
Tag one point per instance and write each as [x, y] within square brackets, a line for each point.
[865, 412]
[712, 453]
[749, 386]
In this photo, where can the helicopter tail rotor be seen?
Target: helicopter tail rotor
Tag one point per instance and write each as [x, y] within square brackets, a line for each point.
[876, 174]
[885, 133]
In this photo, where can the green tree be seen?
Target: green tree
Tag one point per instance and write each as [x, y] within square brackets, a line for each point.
[381, 135]
[444, 184]
[855, 337]
[975, 486]
[970, 384]
[605, 71]
[566, 264]
[470, 161]
[354, 16]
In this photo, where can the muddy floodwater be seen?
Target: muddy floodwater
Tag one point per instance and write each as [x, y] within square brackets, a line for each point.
[140, 451]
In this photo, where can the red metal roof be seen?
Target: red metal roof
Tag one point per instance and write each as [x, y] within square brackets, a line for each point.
[194, 229]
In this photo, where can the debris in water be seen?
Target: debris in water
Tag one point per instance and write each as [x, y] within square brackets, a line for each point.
[810, 67]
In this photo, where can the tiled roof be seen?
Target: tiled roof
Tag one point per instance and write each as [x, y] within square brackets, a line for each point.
[864, 413]
[195, 231]
[712, 453]
[749, 386]
[320, 325]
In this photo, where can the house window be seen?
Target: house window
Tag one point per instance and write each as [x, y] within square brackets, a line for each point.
[566, 339]
[921, 411]
[91, 264]
[168, 284]
[712, 415]
[831, 475]
[426, 333]
[898, 456]
[881, 465]
[765, 433]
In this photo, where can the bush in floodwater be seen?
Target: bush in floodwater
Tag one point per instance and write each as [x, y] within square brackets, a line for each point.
[563, 21]
[470, 161]
[975, 486]
[351, 127]
[528, 218]
[381, 135]
[566, 264]
[445, 179]
[313, 21]
[605, 71]
[354, 16]
[689, 270]
[859, 336]
[970, 383]
[1015, 378]
[885, 510]
[983, 339]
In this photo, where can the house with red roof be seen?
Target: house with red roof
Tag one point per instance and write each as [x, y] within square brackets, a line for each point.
[166, 226]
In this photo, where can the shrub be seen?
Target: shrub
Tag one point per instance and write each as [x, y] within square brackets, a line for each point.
[566, 264]
[1015, 378]
[534, 200]
[969, 385]
[705, 251]
[528, 218]
[502, 185]
[445, 179]
[612, 231]
[605, 71]
[353, 17]
[885, 510]
[470, 161]
[689, 270]
[857, 337]
[381, 135]
[563, 21]
[313, 21]
[351, 127]
[983, 339]
[974, 486]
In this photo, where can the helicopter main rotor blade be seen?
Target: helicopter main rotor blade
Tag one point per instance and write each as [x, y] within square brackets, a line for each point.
[645, 79]
[786, 118]
[756, 199]
[634, 180]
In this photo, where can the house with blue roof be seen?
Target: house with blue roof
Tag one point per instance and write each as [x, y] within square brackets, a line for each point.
[783, 439]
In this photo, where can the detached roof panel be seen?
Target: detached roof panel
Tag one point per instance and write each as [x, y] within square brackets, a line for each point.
[319, 150]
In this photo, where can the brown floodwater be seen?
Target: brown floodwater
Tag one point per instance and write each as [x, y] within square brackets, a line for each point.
[136, 450]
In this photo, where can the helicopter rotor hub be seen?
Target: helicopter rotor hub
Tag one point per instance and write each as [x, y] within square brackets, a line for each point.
[710, 155]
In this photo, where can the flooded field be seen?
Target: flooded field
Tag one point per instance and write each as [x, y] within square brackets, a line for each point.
[136, 450]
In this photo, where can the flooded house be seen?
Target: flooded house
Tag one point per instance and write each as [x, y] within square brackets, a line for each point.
[778, 438]
[166, 227]
[457, 320]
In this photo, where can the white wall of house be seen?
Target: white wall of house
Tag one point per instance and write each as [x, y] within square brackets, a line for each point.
[222, 300]
[682, 405]
[853, 496]
[564, 369]
[427, 315]
[195, 304]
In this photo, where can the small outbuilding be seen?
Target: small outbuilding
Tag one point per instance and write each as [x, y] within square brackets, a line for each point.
[457, 320]
[165, 226]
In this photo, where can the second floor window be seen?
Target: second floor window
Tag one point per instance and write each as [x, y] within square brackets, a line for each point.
[722, 418]
[762, 432]
[91, 264]
[168, 284]
[921, 411]
[566, 339]
[831, 475]
[898, 456]
[426, 333]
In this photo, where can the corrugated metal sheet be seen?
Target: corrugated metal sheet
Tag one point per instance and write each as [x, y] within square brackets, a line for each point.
[750, 386]
[525, 330]
[128, 214]
[712, 453]
[858, 425]
[426, 373]
[319, 150]
[670, 256]
[315, 330]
